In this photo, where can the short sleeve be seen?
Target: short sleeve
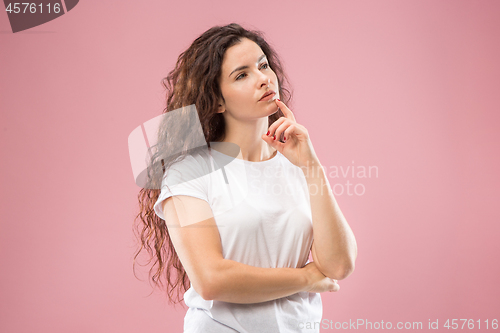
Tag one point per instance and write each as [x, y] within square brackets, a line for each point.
[189, 177]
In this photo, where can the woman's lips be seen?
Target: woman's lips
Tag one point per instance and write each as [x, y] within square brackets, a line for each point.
[268, 97]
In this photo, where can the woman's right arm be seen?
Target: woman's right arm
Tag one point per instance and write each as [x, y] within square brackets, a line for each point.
[196, 239]
[240, 283]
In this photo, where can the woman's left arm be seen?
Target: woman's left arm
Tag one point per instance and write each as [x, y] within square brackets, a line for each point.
[334, 248]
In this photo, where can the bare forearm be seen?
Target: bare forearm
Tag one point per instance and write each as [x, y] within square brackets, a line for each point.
[335, 248]
[239, 283]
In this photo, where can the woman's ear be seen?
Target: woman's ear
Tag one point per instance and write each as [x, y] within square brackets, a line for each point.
[222, 106]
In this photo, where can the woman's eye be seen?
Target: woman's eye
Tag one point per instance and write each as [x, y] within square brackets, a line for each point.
[242, 75]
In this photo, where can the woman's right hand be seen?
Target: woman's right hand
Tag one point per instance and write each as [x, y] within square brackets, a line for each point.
[317, 281]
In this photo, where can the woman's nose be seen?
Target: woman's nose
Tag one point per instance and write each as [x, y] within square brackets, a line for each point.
[265, 81]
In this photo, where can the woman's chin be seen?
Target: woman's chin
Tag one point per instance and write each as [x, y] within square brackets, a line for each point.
[273, 108]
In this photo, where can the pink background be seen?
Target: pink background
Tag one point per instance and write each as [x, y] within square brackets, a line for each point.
[411, 87]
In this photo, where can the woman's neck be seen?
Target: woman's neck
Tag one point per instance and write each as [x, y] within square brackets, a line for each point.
[248, 136]
[253, 151]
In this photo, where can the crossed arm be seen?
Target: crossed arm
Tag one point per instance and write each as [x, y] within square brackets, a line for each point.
[196, 239]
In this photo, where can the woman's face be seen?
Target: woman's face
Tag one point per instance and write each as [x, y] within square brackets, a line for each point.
[245, 78]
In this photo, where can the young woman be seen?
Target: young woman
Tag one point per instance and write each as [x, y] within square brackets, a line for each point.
[239, 237]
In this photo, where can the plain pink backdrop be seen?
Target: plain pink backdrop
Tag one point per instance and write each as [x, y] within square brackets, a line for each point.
[410, 87]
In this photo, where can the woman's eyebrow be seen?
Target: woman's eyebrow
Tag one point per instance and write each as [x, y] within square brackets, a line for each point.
[245, 67]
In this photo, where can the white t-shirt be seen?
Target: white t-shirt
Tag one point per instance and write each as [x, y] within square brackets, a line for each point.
[263, 214]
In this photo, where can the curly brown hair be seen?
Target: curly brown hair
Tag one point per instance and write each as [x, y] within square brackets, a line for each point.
[194, 80]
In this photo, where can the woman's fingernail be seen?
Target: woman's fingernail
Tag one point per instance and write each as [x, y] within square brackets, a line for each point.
[267, 133]
[284, 139]
[274, 137]
[278, 99]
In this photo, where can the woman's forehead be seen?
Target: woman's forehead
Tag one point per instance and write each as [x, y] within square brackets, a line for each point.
[244, 53]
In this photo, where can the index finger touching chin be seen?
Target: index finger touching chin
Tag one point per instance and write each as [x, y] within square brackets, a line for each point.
[286, 111]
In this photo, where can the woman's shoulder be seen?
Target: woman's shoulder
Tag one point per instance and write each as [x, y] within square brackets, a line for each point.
[193, 160]
[189, 166]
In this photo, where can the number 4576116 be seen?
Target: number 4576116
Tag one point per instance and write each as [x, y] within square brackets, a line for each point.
[469, 323]
[32, 8]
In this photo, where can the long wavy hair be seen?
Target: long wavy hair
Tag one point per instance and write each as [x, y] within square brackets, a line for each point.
[194, 80]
